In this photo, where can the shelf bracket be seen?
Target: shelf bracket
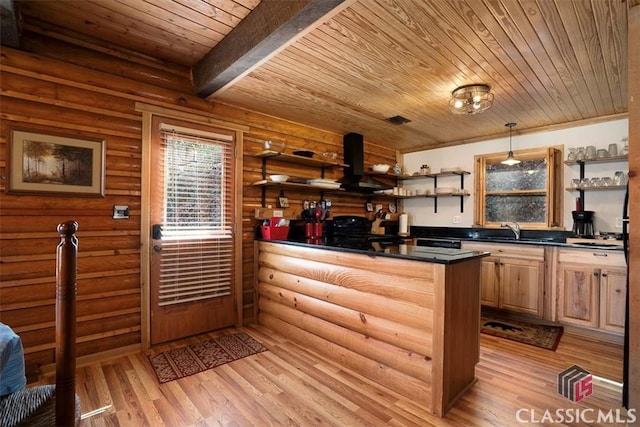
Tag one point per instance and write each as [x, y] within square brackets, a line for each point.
[264, 189]
[462, 189]
[581, 191]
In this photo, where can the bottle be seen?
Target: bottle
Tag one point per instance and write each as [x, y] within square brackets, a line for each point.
[396, 169]
[578, 204]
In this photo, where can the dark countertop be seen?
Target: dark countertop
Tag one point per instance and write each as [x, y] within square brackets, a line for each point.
[528, 237]
[378, 249]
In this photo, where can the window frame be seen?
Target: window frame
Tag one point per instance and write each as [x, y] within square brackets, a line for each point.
[553, 191]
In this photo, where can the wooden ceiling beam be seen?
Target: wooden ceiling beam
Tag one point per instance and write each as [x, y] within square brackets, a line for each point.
[9, 24]
[268, 29]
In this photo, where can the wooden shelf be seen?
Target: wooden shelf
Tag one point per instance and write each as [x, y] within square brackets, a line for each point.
[598, 160]
[609, 187]
[286, 184]
[447, 195]
[432, 175]
[299, 160]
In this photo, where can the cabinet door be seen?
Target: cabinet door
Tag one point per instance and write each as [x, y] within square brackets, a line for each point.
[521, 285]
[578, 294]
[613, 293]
[489, 282]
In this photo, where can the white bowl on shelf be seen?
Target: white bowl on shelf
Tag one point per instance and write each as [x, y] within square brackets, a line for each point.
[381, 168]
[279, 178]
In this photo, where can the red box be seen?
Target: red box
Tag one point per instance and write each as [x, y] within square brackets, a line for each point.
[271, 232]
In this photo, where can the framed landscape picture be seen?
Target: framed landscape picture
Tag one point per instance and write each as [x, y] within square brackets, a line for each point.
[55, 164]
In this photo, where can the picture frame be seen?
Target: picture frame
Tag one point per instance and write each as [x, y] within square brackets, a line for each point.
[47, 163]
[369, 206]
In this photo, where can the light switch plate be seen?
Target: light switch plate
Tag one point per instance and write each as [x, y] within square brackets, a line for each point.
[120, 212]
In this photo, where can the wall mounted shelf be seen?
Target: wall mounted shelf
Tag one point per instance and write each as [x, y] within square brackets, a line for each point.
[583, 163]
[297, 160]
[436, 195]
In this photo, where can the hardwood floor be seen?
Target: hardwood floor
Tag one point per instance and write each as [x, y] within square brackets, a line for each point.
[289, 385]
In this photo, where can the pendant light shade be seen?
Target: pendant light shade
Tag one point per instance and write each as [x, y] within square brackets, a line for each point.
[510, 160]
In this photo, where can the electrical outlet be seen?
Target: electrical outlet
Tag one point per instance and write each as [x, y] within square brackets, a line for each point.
[457, 219]
[122, 212]
[618, 222]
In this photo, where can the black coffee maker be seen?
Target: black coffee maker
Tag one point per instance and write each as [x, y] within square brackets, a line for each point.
[583, 223]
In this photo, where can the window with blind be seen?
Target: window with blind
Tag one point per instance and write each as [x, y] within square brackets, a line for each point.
[196, 261]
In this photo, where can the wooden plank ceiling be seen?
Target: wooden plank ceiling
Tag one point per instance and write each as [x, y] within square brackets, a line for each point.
[549, 62]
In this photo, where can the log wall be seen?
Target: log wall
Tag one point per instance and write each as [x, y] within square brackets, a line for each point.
[385, 318]
[54, 84]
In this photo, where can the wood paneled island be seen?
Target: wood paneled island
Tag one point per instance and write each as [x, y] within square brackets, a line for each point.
[407, 318]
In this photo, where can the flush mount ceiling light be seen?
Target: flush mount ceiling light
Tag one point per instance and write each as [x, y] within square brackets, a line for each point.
[471, 99]
[510, 160]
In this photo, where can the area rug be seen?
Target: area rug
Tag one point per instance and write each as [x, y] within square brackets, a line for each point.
[542, 336]
[188, 360]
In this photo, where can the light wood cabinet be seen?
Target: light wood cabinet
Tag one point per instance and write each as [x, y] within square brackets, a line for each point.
[512, 277]
[578, 296]
[613, 292]
[489, 282]
[591, 288]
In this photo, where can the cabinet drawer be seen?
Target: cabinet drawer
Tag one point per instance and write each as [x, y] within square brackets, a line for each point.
[596, 258]
[507, 250]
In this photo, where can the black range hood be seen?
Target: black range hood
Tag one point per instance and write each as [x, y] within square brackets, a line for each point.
[354, 175]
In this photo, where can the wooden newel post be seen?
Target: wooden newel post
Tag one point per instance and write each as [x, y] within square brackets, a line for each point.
[66, 268]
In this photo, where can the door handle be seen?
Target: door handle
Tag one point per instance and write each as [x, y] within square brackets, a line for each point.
[157, 248]
[156, 232]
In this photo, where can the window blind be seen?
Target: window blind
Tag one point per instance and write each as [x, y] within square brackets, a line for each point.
[196, 261]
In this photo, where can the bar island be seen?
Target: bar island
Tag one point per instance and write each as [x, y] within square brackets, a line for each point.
[406, 317]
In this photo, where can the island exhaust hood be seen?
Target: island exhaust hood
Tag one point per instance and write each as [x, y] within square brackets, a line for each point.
[354, 175]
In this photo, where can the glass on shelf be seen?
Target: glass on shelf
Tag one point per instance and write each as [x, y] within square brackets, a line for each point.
[572, 154]
[620, 178]
[580, 154]
[278, 146]
[625, 147]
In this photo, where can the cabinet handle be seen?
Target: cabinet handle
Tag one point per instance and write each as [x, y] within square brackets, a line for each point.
[599, 254]
[596, 274]
[604, 274]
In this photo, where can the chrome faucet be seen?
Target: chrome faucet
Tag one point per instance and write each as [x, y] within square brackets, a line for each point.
[515, 228]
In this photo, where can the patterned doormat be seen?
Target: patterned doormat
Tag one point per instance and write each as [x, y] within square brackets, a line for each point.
[542, 336]
[188, 360]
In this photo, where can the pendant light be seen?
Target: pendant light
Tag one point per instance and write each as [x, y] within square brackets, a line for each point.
[510, 160]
